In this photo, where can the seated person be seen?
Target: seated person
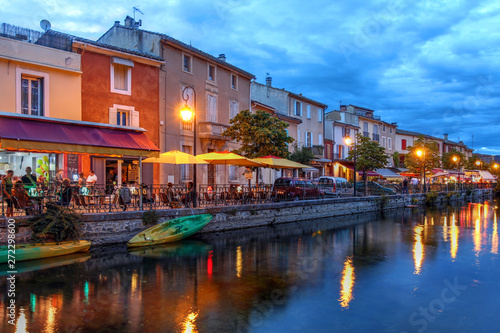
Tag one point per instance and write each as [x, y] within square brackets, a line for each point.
[23, 200]
[189, 197]
[65, 193]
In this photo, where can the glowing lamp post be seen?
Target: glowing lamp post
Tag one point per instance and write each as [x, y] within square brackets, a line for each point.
[348, 141]
[187, 116]
[456, 159]
[421, 153]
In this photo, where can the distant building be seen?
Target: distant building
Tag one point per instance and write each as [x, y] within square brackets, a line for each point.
[304, 114]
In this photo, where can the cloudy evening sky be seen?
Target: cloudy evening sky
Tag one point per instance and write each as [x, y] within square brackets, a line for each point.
[431, 66]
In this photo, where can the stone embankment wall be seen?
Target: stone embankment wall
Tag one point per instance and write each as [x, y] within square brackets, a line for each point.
[113, 228]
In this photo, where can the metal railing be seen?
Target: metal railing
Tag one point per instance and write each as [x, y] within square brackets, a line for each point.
[108, 198]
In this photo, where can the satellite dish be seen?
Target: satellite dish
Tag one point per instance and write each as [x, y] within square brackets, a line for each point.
[45, 25]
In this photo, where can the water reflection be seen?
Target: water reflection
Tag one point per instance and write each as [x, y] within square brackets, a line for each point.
[418, 248]
[279, 277]
[347, 283]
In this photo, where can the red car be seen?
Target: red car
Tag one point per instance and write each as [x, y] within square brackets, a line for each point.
[295, 189]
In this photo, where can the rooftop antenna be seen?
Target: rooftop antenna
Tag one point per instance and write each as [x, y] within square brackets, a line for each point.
[45, 25]
[137, 24]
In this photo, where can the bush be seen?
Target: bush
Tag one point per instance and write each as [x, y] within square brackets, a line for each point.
[150, 217]
[431, 198]
[57, 224]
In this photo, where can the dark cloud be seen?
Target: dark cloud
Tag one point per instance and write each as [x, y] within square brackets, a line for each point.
[430, 66]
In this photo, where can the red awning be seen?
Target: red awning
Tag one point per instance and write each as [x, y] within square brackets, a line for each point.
[50, 135]
[409, 174]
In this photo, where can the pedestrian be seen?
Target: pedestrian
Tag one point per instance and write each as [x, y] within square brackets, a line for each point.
[29, 179]
[7, 192]
[65, 193]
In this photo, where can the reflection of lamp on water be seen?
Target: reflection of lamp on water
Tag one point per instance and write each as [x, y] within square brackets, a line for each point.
[347, 283]
[418, 249]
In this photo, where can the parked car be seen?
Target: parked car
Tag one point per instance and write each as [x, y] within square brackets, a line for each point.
[334, 186]
[295, 189]
[373, 188]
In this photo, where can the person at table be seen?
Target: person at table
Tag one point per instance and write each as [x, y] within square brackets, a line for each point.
[29, 179]
[190, 195]
[59, 177]
[65, 193]
[91, 180]
[22, 197]
[110, 181]
[7, 192]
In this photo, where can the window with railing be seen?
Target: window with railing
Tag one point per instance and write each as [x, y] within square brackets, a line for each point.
[376, 137]
[366, 134]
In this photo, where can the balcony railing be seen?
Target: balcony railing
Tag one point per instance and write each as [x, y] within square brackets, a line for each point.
[376, 137]
[211, 130]
[366, 134]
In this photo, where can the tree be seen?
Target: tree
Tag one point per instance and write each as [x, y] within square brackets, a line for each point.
[259, 134]
[449, 163]
[369, 155]
[429, 158]
[395, 159]
[302, 155]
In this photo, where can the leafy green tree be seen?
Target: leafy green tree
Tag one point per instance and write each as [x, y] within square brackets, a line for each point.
[449, 163]
[370, 155]
[395, 159]
[429, 155]
[259, 134]
[302, 155]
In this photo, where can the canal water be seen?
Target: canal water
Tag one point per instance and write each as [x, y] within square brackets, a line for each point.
[412, 270]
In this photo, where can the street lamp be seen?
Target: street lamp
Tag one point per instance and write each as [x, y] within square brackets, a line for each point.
[456, 159]
[187, 114]
[479, 164]
[348, 141]
[421, 153]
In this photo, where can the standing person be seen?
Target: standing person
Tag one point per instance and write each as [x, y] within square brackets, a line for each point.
[81, 179]
[29, 179]
[110, 181]
[65, 193]
[91, 179]
[405, 186]
[7, 192]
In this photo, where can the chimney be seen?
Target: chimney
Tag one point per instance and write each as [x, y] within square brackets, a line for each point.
[445, 135]
[117, 23]
[222, 57]
[129, 22]
[343, 108]
[269, 80]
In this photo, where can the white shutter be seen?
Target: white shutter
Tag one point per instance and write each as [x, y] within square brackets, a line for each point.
[308, 111]
[134, 118]
[320, 139]
[233, 109]
[211, 108]
[112, 116]
[298, 137]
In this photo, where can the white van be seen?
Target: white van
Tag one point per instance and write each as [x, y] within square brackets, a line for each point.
[334, 186]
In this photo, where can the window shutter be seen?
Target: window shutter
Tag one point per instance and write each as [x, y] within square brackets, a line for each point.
[320, 139]
[134, 118]
[112, 116]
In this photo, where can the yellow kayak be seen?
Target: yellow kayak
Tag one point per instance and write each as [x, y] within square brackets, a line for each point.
[39, 251]
[170, 231]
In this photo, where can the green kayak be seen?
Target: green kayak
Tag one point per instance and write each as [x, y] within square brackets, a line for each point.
[170, 231]
[39, 251]
[186, 248]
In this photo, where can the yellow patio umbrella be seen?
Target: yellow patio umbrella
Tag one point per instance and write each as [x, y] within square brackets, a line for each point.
[228, 158]
[279, 162]
[175, 157]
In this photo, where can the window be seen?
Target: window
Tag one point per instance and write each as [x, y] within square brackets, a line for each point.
[320, 115]
[365, 127]
[403, 144]
[123, 115]
[308, 112]
[384, 142]
[211, 72]
[375, 129]
[233, 109]
[308, 139]
[340, 151]
[31, 96]
[298, 108]
[121, 76]
[389, 143]
[211, 108]
[234, 82]
[186, 169]
[390, 130]
[31, 92]
[187, 63]
[233, 172]
[320, 139]
[383, 128]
